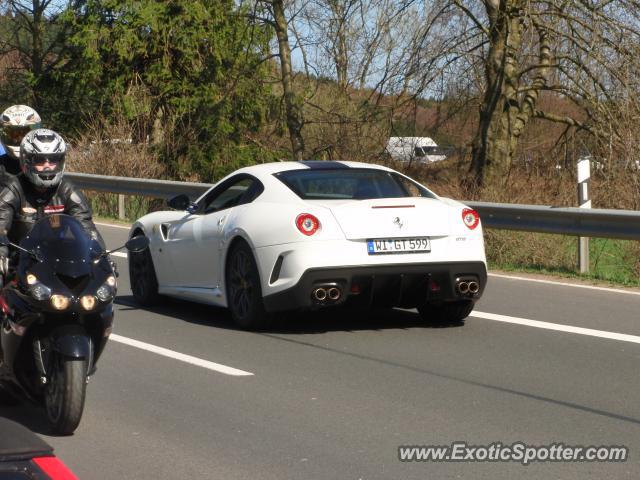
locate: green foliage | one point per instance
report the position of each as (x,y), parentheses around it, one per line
(616,261)
(187,75)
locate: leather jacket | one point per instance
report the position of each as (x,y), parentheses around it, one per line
(22,204)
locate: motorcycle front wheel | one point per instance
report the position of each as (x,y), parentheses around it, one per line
(65,393)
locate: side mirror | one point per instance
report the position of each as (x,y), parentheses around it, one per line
(179,202)
(137,244)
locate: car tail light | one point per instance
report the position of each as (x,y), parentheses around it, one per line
(470,218)
(307,224)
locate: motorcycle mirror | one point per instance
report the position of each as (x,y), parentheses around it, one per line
(137,244)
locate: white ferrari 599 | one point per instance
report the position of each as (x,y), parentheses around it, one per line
(290,236)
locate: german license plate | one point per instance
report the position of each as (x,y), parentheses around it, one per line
(398,245)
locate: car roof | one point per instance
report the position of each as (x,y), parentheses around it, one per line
(277,167)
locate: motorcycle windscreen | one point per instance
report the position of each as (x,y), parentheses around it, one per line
(61,241)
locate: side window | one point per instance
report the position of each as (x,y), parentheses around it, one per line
(228,196)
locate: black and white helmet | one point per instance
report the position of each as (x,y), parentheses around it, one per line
(15,122)
(37,148)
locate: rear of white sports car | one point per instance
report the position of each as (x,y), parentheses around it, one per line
(370,237)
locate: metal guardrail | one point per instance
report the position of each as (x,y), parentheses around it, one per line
(624,224)
(585,222)
(136,186)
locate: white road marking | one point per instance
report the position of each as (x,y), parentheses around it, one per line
(565,284)
(119,254)
(623,337)
(125,227)
(216,367)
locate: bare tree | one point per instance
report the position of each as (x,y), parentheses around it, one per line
(556,47)
(509,55)
(32,33)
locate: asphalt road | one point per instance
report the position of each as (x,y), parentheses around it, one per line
(334,396)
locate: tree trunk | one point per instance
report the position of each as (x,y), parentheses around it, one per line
(295,120)
(37,53)
(493,146)
(506,110)
(339,40)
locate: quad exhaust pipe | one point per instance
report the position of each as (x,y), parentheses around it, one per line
(326,294)
(465,287)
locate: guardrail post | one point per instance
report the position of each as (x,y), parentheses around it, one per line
(584,201)
(121,211)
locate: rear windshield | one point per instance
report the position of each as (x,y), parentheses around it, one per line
(352,184)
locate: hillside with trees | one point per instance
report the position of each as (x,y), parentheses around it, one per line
(194,89)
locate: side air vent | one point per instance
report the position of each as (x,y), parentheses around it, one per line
(164,230)
(275,274)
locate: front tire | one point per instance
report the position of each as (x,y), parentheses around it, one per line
(244,293)
(142,275)
(446,313)
(65,393)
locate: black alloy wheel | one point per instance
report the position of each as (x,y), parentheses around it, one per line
(142,275)
(244,294)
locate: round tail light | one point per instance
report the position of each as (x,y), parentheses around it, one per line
(307,224)
(470,218)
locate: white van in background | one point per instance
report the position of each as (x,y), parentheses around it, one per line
(414,149)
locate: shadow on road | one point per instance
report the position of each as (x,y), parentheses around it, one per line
(290,328)
(28,414)
(308,322)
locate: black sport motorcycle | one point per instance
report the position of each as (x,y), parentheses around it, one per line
(57,314)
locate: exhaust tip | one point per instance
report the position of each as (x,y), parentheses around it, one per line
(463,287)
(474,287)
(334,293)
(320,294)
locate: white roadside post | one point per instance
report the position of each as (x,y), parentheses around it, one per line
(584,201)
(121,212)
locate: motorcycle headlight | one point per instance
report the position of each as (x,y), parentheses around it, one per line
(108,289)
(105,293)
(59,302)
(38,290)
(88,302)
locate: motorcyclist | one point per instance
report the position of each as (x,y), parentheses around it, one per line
(40,190)
(15,122)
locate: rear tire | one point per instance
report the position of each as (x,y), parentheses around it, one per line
(65,393)
(244,293)
(142,275)
(446,313)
